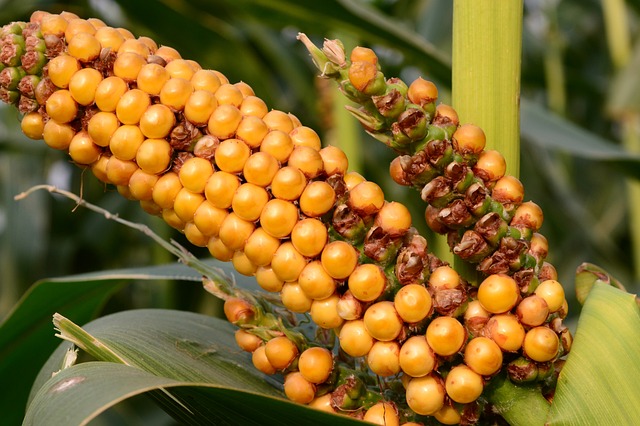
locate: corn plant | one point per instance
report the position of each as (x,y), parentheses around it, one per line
(359,313)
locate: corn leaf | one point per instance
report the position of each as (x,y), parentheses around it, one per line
(599,382)
(26,334)
(188,362)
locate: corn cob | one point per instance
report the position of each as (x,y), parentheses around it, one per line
(256,188)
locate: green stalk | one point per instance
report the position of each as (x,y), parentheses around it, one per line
(487,47)
(487,50)
(619,43)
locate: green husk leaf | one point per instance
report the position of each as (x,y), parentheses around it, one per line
(599,382)
(80,393)
(587,275)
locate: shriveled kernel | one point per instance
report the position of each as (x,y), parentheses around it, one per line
(235,231)
(249,200)
(261,247)
(127,65)
(269,281)
(151,78)
(309,236)
(131,106)
(354,338)
(224,121)
(339,258)
(126,141)
(383,358)
(324,312)
(175,93)
(220,188)
(231,155)
(157,121)
(278,120)
(154,155)
(367,282)
(83,85)
(294,298)
(61,69)
(228,94)
(205,80)
(200,106)
(278,217)
(416,357)
(260,169)
(208,218)
(315,282)
(287,262)
(308,160)
(194,174)
(278,144)
(109,92)
(317,199)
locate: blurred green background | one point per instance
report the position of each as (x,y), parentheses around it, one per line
(569,71)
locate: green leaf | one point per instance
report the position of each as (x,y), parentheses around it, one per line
(552,132)
(587,275)
(26,334)
(190,361)
(80,393)
(599,382)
